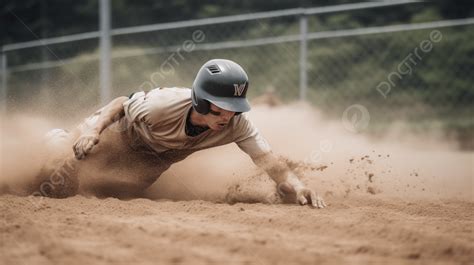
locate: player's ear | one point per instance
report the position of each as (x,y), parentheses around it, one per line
(202,106)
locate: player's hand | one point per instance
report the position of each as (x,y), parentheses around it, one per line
(84,144)
(300,194)
(306,195)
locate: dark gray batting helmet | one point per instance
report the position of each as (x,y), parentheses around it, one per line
(223,83)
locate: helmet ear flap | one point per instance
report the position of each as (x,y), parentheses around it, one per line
(202,106)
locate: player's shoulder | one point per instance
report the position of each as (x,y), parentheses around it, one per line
(241,122)
(168,101)
(169,94)
(242,127)
(165,97)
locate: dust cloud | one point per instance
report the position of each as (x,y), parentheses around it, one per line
(328,157)
(21,152)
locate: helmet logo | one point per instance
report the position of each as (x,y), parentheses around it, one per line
(239,89)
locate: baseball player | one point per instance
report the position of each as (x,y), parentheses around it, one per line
(125,146)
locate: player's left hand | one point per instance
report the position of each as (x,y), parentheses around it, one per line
(84,144)
(301,194)
(306,195)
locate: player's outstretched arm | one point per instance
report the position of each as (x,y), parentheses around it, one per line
(287,182)
(90,137)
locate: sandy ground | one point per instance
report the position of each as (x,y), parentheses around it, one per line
(359,230)
(398,200)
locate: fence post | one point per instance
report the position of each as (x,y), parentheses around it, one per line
(105,45)
(4,88)
(303,56)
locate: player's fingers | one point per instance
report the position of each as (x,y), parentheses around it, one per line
(88,146)
(79,155)
(75,149)
(320,202)
(78,150)
(302,199)
(316,200)
(313,197)
(323,202)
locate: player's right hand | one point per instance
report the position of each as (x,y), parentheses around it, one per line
(84,144)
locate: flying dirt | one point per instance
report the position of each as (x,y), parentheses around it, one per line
(399,199)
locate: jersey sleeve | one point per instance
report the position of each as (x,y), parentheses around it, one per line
(249,139)
(150,109)
(138,109)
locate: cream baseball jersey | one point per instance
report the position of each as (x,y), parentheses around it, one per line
(159,119)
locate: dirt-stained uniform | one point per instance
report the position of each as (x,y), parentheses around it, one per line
(151,136)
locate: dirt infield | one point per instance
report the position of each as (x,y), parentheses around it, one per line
(359,230)
(397,200)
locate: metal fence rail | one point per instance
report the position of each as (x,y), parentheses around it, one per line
(254,42)
(105,34)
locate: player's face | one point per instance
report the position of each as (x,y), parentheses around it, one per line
(218,118)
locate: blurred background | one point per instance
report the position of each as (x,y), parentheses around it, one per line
(404,61)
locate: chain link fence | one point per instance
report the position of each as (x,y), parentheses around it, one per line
(420,74)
